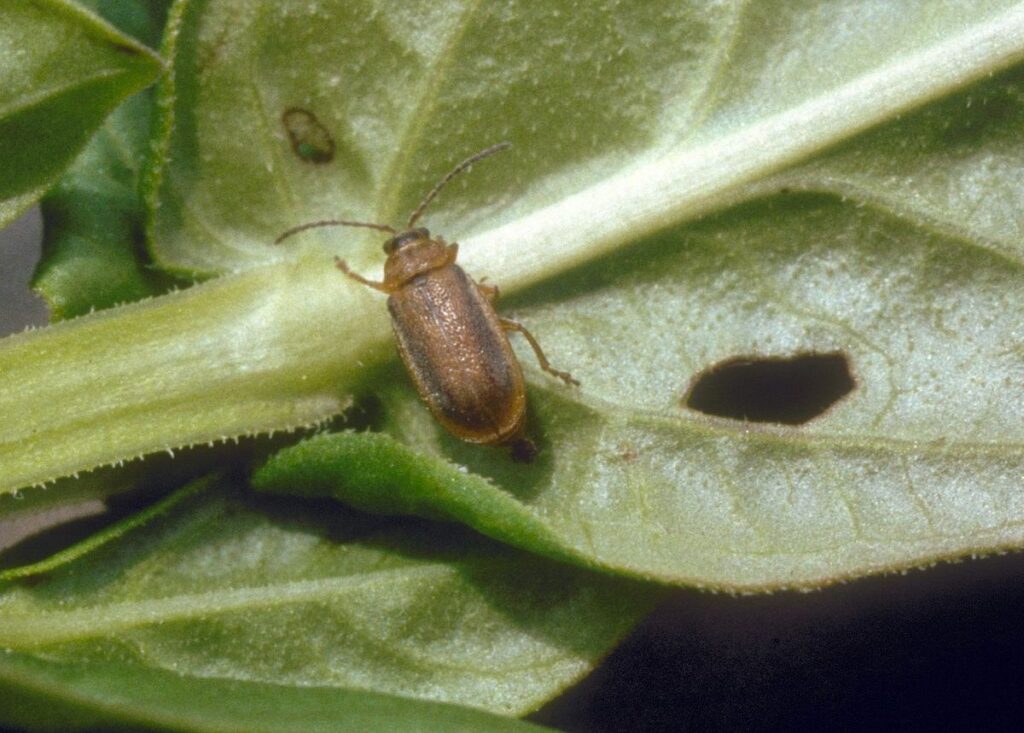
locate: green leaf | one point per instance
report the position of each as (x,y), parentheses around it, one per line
(93,220)
(143,20)
(375,473)
(93,217)
(62,71)
(41,694)
(224,587)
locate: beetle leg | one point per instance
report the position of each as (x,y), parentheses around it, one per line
(343,266)
(490,292)
(509,325)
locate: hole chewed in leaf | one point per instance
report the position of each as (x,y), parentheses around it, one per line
(787,390)
(310,140)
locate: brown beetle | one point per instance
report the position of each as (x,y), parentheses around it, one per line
(452,342)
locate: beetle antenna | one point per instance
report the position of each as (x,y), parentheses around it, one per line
(454,172)
(333,223)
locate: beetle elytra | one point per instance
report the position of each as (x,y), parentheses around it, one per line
(453,343)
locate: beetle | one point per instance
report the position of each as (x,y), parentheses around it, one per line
(453,343)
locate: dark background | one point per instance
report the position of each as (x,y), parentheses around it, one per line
(19,250)
(939,649)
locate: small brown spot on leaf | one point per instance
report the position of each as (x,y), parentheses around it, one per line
(310,140)
(785,390)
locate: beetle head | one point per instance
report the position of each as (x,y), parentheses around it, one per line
(404,239)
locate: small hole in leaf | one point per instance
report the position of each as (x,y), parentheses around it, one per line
(789,391)
(310,140)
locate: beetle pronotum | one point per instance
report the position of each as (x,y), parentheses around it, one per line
(453,343)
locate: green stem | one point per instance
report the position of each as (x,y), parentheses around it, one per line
(273,348)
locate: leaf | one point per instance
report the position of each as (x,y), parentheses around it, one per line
(61,72)
(41,694)
(375,473)
(635,121)
(427,79)
(143,20)
(751,181)
(93,223)
(222,587)
(93,217)
(951,168)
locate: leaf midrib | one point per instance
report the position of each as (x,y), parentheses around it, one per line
(691,182)
(36,628)
(396,171)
